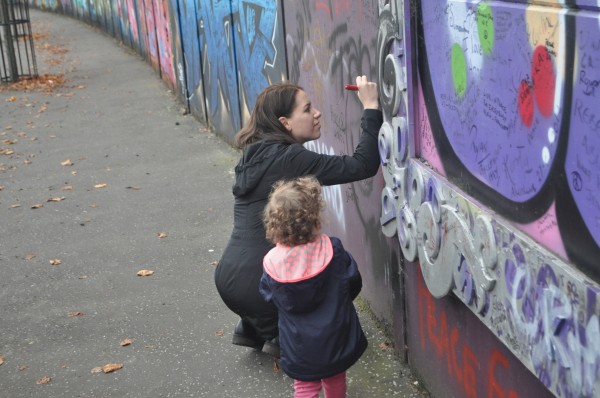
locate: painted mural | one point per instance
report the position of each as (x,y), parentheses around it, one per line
(494,194)
(190,67)
(478,243)
(328,44)
(239,57)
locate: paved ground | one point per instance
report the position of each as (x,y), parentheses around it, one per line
(91,173)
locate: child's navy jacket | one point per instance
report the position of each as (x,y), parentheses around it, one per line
(312,286)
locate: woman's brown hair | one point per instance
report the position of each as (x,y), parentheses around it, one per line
(293,214)
(273,102)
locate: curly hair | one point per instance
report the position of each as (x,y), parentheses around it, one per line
(292,216)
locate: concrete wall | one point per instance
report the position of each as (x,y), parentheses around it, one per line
(479,241)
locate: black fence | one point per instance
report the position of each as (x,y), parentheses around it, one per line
(16,42)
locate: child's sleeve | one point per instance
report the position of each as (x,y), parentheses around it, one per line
(265,289)
(355,280)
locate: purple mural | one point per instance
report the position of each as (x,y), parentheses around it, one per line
(511,101)
(498,204)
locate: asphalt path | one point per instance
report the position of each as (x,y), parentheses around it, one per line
(103,176)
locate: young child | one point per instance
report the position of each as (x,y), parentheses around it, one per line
(312,281)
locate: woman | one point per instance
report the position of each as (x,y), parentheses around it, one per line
(282,120)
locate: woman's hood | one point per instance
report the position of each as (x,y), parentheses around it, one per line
(253,165)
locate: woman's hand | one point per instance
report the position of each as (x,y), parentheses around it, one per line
(367,93)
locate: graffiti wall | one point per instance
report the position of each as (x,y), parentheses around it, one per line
(492,188)
(478,241)
(328,44)
(241,53)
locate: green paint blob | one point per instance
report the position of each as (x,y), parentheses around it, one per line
(459,70)
(485,26)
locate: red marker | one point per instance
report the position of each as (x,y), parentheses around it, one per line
(351,87)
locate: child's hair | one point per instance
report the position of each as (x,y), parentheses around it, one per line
(293,214)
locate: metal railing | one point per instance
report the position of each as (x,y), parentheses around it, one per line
(16,42)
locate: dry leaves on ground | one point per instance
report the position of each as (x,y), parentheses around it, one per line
(43,380)
(111,367)
(75,313)
(67,162)
(162,235)
(126,342)
(100,185)
(29,257)
(1,359)
(385,346)
(56,199)
(55,261)
(145,272)
(37,206)
(220,333)
(45,82)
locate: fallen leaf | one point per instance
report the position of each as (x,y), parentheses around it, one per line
(276,367)
(162,234)
(15,206)
(12,99)
(97,369)
(214,263)
(100,185)
(1,187)
(67,162)
(8,141)
(220,333)
(385,346)
(29,257)
(22,368)
(145,272)
(43,380)
(67,188)
(83,277)
(93,205)
(37,206)
(74,172)
(81,86)
(6,151)
(1,360)
(111,367)
(27,161)
(56,199)
(55,261)
(75,313)
(44,82)
(125,342)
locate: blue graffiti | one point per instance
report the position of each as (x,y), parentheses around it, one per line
(254,44)
(191,53)
(218,53)
(250,39)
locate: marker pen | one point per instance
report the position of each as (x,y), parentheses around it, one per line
(351,87)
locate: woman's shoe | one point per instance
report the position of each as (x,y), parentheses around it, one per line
(271,347)
(244,335)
